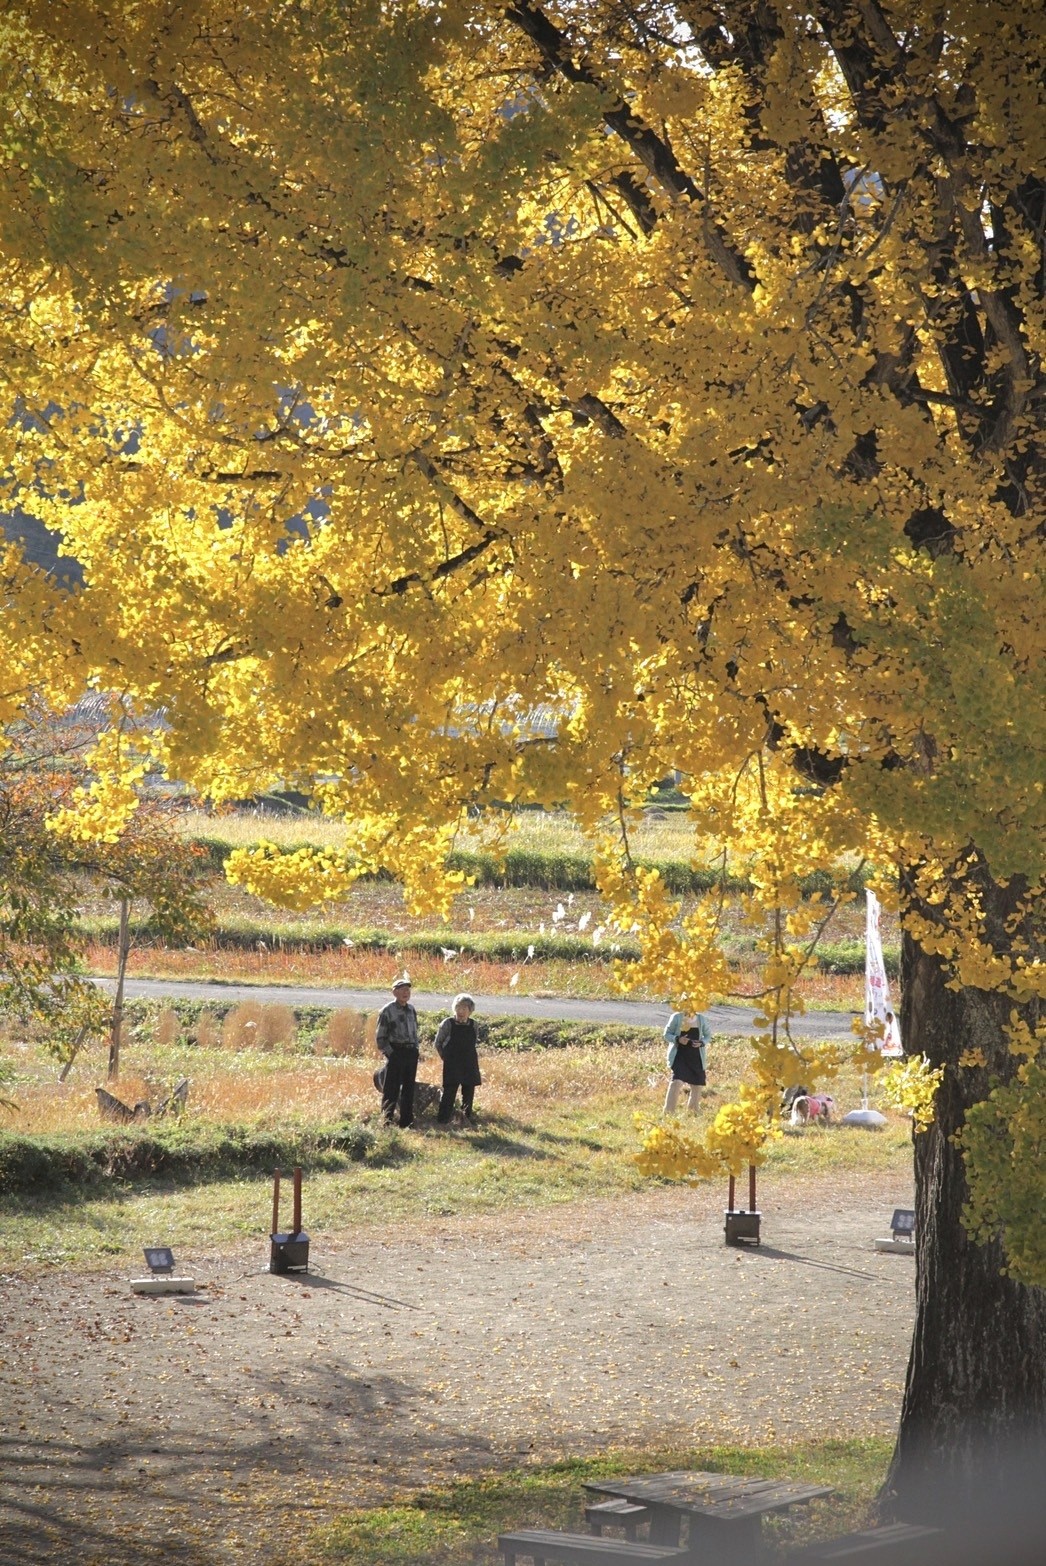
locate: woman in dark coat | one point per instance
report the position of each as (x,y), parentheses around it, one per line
(456,1041)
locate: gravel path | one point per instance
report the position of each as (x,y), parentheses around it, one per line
(206,1429)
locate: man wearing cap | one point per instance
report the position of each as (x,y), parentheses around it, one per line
(397,1037)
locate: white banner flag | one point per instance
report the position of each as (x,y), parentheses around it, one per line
(877,1006)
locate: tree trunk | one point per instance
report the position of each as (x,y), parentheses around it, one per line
(974,1405)
(74,1051)
(123,950)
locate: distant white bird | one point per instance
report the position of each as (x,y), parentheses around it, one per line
(472,914)
(560,914)
(570,899)
(530,954)
(598,934)
(513,981)
(541,927)
(449,952)
(347,942)
(583,921)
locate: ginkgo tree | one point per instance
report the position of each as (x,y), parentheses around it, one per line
(398,371)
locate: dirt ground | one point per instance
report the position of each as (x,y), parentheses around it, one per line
(214,1428)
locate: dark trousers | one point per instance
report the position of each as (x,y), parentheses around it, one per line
(401,1069)
(446,1103)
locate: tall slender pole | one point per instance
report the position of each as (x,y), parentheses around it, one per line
(122,953)
(297,1201)
(730,1198)
(276,1203)
(751,1188)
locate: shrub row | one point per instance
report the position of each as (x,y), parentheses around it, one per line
(141,1015)
(571,872)
(849,957)
(182,1151)
(509,946)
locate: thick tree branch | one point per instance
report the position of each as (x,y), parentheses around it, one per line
(653,151)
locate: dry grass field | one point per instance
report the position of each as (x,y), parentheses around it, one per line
(660,835)
(361,941)
(351,969)
(555,1125)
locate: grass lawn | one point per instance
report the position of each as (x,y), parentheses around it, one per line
(460,1522)
(555,1125)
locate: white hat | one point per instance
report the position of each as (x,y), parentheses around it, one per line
(402,982)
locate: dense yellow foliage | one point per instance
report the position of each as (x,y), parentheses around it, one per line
(655,388)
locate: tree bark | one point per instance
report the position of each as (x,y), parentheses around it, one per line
(974,1404)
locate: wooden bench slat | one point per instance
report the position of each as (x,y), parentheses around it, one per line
(625,1514)
(892,1542)
(585,1549)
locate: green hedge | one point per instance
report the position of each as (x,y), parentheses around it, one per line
(848,957)
(494,946)
(184,1150)
(567,872)
(141,1015)
(842,957)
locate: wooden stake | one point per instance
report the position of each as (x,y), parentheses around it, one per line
(297,1201)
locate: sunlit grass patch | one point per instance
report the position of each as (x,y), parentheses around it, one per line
(658,836)
(460,1522)
(555,1125)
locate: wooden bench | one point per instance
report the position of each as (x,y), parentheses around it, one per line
(582,1549)
(625,1514)
(892,1544)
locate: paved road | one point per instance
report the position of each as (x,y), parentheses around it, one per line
(725,1019)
